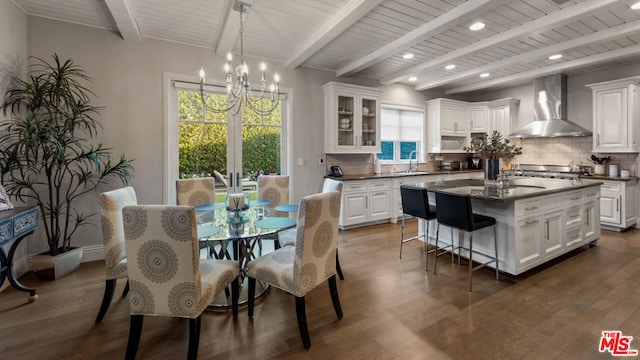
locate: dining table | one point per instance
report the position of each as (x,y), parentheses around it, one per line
(238,235)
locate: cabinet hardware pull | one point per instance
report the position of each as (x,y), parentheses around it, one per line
(618,204)
(529,222)
(587,213)
(574,216)
(547,223)
(575,198)
(531,208)
(238,179)
(366,202)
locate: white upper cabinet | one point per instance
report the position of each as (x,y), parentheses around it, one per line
(615,112)
(447,125)
(478,118)
(352,119)
(503,115)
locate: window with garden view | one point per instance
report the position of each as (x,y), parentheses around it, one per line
(204,135)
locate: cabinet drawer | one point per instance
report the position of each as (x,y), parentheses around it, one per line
(590,194)
(526,207)
(611,186)
(573,217)
(379,185)
(574,237)
(354,186)
(571,198)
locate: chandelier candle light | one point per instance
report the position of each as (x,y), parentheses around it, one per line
(240,90)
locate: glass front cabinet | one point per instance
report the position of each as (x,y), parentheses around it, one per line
(352,118)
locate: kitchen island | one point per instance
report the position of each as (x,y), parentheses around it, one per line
(537,219)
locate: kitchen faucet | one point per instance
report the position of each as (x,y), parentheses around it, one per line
(410,157)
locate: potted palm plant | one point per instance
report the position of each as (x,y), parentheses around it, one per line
(48,157)
(492,149)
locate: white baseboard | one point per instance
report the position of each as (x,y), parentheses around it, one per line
(93,253)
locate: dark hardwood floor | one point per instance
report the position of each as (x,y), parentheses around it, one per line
(392,308)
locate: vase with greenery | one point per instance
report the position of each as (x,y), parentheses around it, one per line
(48,153)
(492,149)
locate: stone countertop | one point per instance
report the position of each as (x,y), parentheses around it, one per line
(397,175)
(515,188)
(607,177)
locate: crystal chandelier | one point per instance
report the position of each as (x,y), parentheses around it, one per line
(239,92)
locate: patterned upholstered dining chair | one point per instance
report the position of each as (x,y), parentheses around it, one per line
(288,237)
(167,276)
(298,270)
(115,260)
(274,188)
(200,191)
(196,191)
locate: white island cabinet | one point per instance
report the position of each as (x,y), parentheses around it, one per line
(531,229)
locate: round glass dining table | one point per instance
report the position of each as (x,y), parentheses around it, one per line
(244,231)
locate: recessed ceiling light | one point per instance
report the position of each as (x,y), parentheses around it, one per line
(477,26)
(413,78)
(407,56)
(635,6)
(450,67)
(555,56)
(483,75)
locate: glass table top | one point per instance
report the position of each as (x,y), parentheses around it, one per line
(241,225)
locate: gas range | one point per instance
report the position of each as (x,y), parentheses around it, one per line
(547,171)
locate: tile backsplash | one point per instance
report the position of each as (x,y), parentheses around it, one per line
(544,151)
(563,150)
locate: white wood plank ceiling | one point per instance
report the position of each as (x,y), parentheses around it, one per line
(367,38)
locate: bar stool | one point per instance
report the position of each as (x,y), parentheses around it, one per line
(455,211)
(415,202)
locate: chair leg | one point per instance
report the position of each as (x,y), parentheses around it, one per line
(235,295)
(135,330)
(495,246)
(435,252)
(109,289)
(302,321)
(126,289)
(426,245)
(338,268)
(402,236)
(251,296)
(453,248)
(333,290)
(194,337)
(470,258)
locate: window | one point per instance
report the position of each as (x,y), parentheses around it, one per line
(197,142)
(401,134)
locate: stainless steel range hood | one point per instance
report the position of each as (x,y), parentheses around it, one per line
(550,109)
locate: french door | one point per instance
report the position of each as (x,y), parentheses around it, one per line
(237,146)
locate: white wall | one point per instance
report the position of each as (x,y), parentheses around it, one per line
(13,53)
(127,79)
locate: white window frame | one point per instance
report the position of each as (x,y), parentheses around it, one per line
(396,149)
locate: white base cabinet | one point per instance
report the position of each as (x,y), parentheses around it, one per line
(617,204)
(365,202)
